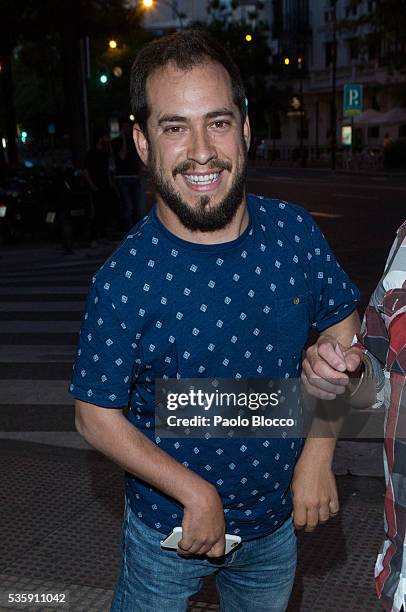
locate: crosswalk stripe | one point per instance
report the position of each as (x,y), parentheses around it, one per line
(38,287)
(39,327)
(28,353)
(62,289)
(68,439)
(41,306)
(15,280)
(35,392)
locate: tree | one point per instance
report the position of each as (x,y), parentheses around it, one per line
(42,42)
(11,12)
(267,98)
(380,30)
(251,56)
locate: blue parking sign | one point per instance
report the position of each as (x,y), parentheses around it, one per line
(353,100)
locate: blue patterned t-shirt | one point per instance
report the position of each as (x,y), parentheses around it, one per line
(165,307)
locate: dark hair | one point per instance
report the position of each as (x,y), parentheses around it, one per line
(185,49)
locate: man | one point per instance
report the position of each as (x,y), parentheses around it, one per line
(129,177)
(97,176)
(378,361)
(211,284)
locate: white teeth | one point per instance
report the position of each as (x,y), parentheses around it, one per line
(204,179)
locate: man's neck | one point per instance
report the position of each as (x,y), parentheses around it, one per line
(233,230)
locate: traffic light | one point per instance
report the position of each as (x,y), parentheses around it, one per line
(248,37)
(103,79)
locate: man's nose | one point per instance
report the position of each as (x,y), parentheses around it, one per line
(201,147)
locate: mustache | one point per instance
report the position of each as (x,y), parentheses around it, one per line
(186,166)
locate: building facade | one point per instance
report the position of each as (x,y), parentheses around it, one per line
(312,54)
(309,33)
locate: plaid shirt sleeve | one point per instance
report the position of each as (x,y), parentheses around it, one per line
(383,341)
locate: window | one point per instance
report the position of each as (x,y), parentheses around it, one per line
(304,134)
(373,50)
(373,131)
(351,9)
(329,53)
(353,48)
(277,26)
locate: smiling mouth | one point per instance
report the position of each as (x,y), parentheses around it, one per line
(202,179)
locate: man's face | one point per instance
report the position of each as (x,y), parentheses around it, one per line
(196,149)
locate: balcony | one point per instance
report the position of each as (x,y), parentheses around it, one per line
(367,74)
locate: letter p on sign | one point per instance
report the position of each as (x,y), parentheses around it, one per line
(354,97)
(353,100)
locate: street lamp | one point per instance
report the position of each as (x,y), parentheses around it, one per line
(302,118)
(333,110)
(248,37)
(149,4)
(113,44)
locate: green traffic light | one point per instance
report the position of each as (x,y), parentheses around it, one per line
(103,79)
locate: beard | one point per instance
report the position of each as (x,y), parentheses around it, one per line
(202,216)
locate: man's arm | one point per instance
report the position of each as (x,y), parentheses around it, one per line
(314,490)
(112,434)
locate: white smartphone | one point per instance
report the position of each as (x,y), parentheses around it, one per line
(172,540)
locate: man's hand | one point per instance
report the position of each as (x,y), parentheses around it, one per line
(314,490)
(111,433)
(326,367)
(203,525)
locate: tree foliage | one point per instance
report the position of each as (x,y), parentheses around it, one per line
(381,24)
(40,47)
(253,59)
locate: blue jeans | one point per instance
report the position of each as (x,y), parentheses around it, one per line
(257,577)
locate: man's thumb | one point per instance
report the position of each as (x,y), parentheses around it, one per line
(352,360)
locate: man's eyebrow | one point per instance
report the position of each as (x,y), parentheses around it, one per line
(219,112)
(171,119)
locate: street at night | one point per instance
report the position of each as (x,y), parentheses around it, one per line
(193,417)
(42,297)
(359,214)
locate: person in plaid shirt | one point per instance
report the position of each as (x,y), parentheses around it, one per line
(378,356)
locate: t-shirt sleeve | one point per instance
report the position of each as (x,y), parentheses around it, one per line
(335,296)
(108,358)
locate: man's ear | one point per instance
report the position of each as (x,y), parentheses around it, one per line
(141,143)
(246,130)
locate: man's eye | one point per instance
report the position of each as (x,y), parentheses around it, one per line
(173,129)
(221,124)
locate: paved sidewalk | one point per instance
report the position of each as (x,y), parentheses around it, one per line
(61,515)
